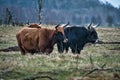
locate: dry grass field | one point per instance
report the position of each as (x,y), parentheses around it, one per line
(96,61)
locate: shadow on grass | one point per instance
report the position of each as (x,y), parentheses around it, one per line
(16,48)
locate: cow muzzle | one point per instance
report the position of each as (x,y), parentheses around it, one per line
(65,40)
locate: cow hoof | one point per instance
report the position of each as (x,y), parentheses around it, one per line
(32,53)
(23,53)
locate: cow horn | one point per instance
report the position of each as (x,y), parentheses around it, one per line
(89,26)
(57,26)
(66,24)
(96,25)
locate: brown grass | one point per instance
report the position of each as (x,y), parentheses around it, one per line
(68,66)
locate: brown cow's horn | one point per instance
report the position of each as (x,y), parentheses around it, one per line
(57,26)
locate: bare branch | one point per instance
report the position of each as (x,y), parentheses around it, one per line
(97,69)
(38,77)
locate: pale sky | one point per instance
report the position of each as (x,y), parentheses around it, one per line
(115,3)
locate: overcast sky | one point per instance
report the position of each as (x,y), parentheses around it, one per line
(115,3)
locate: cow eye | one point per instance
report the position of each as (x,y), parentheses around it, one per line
(93,33)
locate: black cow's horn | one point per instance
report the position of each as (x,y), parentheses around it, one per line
(66,24)
(57,26)
(96,25)
(89,26)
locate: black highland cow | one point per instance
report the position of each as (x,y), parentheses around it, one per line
(77,37)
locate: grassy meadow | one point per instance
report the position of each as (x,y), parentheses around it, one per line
(96,61)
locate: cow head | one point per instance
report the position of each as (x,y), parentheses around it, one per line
(92,35)
(59,33)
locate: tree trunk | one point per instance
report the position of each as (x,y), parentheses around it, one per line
(8,17)
(39,10)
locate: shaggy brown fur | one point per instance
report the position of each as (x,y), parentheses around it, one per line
(34,26)
(31,40)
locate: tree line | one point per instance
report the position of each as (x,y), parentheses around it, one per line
(109,18)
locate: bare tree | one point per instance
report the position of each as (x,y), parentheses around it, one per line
(39,10)
(109,20)
(0,21)
(94,20)
(8,17)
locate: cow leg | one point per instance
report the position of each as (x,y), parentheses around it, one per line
(32,52)
(67,48)
(22,51)
(73,51)
(73,48)
(79,48)
(48,51)
(78,51)
(42,50)
(60,47)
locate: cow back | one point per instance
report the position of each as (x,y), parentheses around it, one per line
(34,26)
